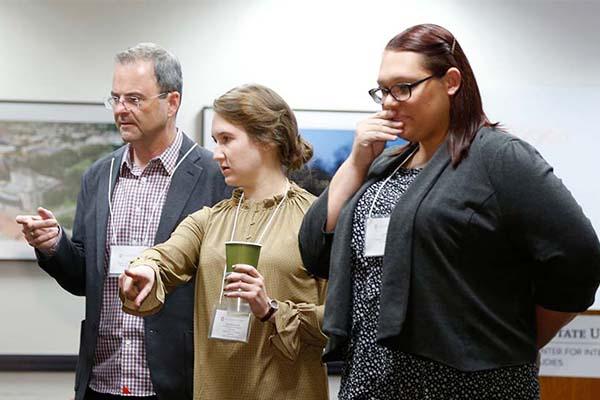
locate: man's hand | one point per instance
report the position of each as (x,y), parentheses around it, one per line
(136,283)
(41,231)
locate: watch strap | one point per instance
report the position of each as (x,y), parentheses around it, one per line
(273,306)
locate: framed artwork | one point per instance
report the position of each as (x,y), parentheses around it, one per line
(44,149)
(330,132)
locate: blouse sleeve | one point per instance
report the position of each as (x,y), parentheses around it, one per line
(174,262)
(548,226)
(315,243)
(298,324)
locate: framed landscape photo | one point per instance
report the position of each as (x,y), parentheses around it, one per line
(330,132)
(44,149)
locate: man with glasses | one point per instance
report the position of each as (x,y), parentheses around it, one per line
(129,200)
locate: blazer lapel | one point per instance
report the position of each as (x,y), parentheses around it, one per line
(335,321)
(397,262)
(102,204)
(183,181)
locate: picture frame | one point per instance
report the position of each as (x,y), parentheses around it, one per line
(45,147)
(331,132)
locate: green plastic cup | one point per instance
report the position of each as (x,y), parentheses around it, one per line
(241,253)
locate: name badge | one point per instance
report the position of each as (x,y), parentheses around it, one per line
(227,325)
(121,256)
(375,236)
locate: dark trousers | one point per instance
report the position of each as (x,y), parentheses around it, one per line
(91,395)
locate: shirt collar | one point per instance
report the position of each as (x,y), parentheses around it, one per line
(168,158)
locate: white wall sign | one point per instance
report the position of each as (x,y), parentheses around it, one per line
(574,351)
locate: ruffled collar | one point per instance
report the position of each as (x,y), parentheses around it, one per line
(264,203)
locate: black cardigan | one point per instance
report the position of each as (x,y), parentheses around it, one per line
(469,253)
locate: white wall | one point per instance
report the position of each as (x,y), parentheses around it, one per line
(537,62)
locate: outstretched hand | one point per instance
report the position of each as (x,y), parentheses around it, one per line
(136,283)
(41,231)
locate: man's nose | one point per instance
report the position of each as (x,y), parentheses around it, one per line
(120,107)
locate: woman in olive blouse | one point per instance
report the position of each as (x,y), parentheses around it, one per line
(257,143)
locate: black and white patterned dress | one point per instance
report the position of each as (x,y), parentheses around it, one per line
(376,373)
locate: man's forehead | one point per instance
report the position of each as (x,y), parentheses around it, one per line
(137,66)
(134,74)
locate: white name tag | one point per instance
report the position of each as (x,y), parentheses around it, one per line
(121,256)
(375,236)
(231,326)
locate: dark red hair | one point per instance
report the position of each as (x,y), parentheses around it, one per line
(441,51)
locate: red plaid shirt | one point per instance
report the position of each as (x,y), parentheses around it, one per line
(120,365)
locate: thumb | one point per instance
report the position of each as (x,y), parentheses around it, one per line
(132,274)
(45,214)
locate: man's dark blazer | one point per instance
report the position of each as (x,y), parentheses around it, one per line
(78,266)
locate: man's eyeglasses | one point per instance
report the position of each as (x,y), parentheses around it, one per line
(400,91)
(130,101)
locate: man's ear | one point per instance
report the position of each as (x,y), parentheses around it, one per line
(173,100)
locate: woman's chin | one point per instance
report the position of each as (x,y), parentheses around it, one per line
(231,181)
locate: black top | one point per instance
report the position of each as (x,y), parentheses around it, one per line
(469,252)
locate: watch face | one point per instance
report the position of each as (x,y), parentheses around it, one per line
(273,307)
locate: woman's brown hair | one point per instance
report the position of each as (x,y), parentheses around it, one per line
(267,119)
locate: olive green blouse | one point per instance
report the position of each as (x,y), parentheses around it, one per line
(282,359)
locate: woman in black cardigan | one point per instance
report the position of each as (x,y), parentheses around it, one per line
(452,260)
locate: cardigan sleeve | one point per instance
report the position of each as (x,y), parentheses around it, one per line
(548,226)
(174,262)
(314,242)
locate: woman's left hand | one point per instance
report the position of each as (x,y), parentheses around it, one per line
(247,283)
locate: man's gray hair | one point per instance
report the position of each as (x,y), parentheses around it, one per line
(167,68)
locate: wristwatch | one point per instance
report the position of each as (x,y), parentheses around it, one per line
(273,306)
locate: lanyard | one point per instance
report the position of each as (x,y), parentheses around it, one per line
(235,218)
(388,178)
(237,211)
(158,201)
